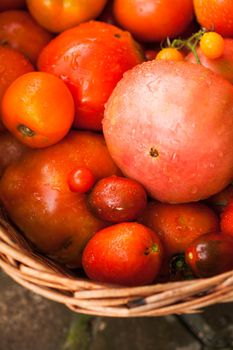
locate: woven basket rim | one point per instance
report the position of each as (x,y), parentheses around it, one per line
(50,280)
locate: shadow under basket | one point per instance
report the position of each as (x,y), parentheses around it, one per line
(48,279)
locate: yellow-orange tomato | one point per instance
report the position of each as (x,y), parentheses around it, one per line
(57,16)
(20,31)
(12,65)
(170,53)
(38,109)
(12,4)
(212,45)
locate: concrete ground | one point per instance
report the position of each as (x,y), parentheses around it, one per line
(30,322)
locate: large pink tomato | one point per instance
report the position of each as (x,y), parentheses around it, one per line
(169,125)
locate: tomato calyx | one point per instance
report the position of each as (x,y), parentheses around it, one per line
(25,131)
(153,249)
(190,43)
(179,269)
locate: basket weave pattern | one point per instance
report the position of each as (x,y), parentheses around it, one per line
(49,280)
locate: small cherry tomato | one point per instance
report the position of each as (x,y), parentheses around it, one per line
(210,254)
(118,199)
(81,180)
(170,54)
(21,32)
(212,45)
(38,109)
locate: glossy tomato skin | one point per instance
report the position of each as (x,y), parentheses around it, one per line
(151,20)
(226,222)
(57,16)
(179,224)
(90,58)
(38,199)
(222,65)
(10,150)
(127,254)
(12,65)
(31,111)
(210,254)
(117,199)
(21,32)
(215,14)
(169,153)
(220,200)
(81,180)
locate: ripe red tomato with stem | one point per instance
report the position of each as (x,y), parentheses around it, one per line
(127,254)
(90,58)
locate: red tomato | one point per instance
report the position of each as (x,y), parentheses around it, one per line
(151,20)
(90,59)
(220,200)
(21,32)
(127,253)
(226,222)
(118,199)
(81,180)
(179,224)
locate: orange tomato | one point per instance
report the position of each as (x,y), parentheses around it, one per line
(170,53)
(20,31)
(212,45)
(179,224)
(90,58)
(12,4)
(38,109)
(12,65)
(151,20)
(215,15)
(57,16)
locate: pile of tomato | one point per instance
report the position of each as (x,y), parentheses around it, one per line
(64,183)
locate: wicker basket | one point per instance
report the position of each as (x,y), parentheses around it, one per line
(48,279)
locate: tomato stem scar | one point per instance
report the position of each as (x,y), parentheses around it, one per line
(25,131)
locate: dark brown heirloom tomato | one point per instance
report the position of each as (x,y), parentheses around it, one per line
(118,199)
(210,254)
(10,150)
